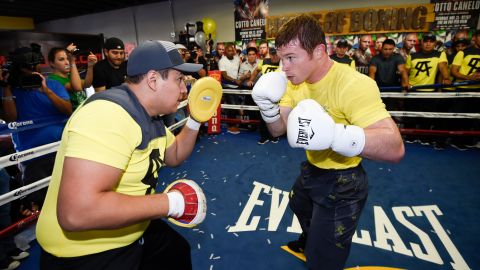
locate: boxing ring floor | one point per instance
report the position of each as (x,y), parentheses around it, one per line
(422,213)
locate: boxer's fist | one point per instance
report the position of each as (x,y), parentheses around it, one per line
(267,92)
(187,203)
(310,127)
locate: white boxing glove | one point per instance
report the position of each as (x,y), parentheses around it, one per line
(187,203)
(267,92)
(310,127)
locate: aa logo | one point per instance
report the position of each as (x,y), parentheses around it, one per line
(155,162)
(473,65)
(423,67)
(271,69)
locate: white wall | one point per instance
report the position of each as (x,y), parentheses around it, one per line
(154,21)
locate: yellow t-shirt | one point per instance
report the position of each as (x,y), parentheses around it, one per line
(469,62)
(266,66)
(423,68)
(101,131)
(349,97)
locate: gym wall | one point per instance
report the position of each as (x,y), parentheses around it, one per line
(157,21)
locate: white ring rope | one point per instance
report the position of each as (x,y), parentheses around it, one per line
(434,114)
(390,94)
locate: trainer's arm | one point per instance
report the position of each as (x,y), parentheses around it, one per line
(87,200)
(383,141)
(182,147)
(279,127)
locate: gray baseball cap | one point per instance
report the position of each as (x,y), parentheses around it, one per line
(157,55)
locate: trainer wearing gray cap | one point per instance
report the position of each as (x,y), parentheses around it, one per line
(101,210)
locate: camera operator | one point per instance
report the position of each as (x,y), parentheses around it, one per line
(29,96)
(64,70)
(197,57)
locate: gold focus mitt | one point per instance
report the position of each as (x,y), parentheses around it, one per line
(204,98)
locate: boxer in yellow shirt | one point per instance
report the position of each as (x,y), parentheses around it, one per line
(336,115)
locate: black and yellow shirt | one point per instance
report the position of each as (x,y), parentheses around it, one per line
(423,67)
(267,65)
(105,132)
(343,60)
(469,62)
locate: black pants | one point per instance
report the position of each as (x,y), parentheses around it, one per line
(160,248)
(328,204)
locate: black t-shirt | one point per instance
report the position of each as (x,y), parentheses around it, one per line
(386,74)
(344,60)
(105,75)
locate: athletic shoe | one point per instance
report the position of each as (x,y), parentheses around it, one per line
(9,264)
(262,141)
(233,130)
(18,254)
(274,140)
(298,245)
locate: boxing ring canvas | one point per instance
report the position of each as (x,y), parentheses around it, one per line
(420,214)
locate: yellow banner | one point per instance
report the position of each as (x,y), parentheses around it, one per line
(16,23)
(405,18)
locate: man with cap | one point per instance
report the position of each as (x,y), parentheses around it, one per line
(101,211)
(112,70)
(422,68)
(341,55)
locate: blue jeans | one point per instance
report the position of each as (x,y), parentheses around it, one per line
(328,204)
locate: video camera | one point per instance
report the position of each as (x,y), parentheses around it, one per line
(20,65)
(78,52)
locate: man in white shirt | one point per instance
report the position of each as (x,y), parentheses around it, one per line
(229,65)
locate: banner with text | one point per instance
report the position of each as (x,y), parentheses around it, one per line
(250,19)
(405,18)
(454,14)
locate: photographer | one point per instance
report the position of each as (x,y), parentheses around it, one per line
(28,96)
(64,70)
(196,57)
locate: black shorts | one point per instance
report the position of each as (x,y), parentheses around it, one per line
(160,247)
(328,204)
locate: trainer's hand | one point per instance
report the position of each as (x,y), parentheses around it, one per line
(187,203)
(267,92)
(310,127)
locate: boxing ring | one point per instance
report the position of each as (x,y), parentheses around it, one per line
(420,214)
